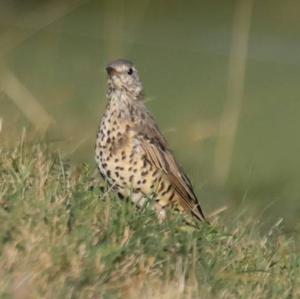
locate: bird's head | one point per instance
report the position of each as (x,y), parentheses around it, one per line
(122,75)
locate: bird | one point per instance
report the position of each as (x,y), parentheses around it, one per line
(132,154)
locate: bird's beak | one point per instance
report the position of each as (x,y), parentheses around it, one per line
(111,71)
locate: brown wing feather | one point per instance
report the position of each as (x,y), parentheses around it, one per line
(156,150)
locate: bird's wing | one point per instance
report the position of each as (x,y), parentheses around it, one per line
(158,153)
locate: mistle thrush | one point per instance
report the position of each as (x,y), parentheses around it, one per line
(132,154)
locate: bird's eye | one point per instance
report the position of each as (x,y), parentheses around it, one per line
(130,71)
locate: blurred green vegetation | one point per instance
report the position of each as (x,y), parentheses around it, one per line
(60,238)
(181,50)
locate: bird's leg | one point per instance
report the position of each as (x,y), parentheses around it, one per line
(160,212)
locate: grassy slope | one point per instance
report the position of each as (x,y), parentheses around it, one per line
(60,239)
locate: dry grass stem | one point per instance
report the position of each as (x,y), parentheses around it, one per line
(25,101)
(235,90)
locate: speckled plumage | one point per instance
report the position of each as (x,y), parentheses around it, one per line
(132,154)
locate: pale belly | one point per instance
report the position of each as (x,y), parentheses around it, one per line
(127,171)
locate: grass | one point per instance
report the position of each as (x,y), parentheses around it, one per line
(60,237)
